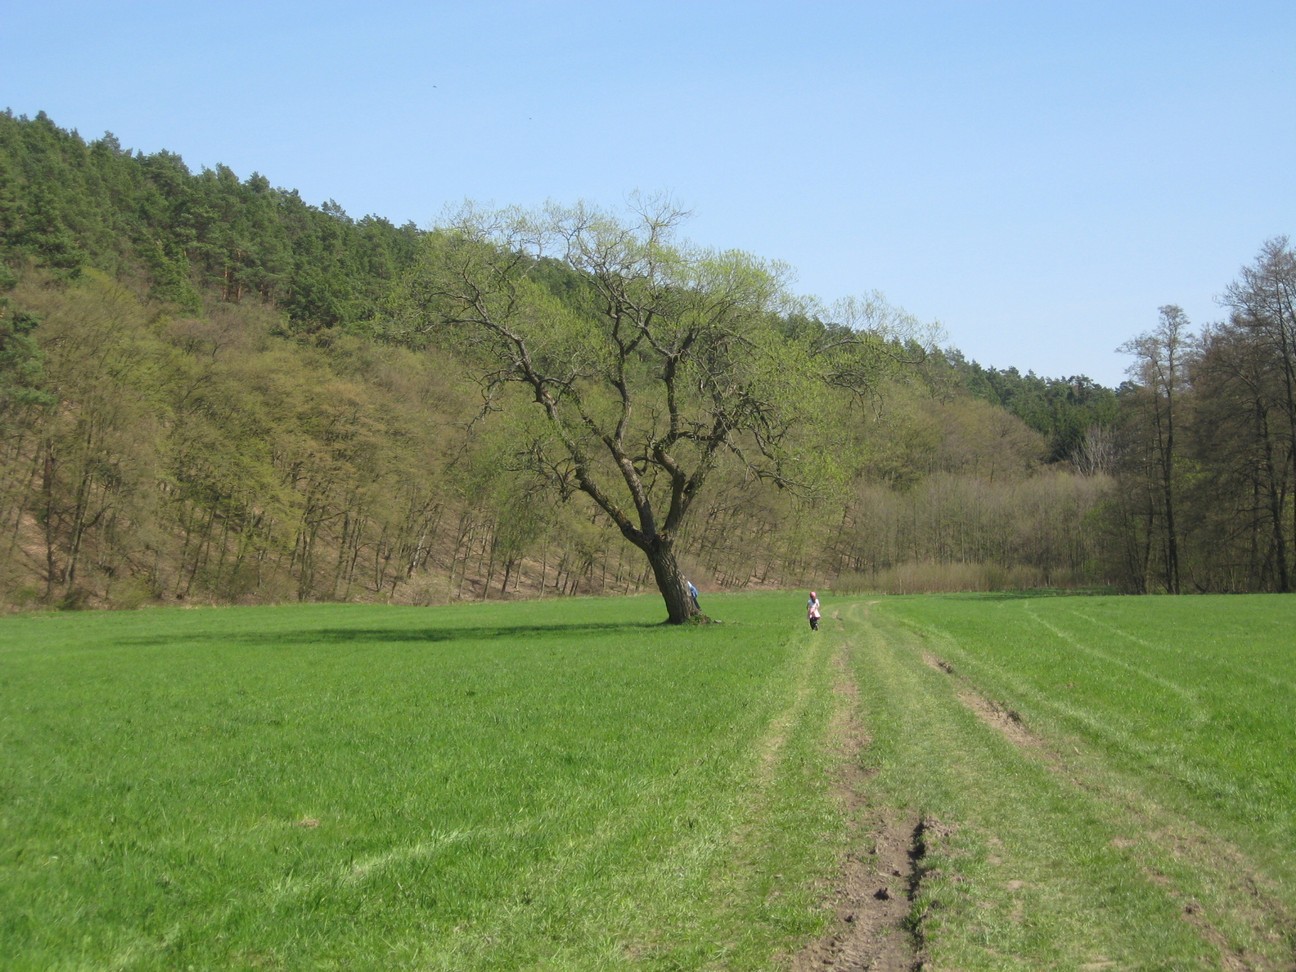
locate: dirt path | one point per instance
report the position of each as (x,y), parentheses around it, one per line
(877,880)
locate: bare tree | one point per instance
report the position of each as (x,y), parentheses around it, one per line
(1095,455)
(1160,369)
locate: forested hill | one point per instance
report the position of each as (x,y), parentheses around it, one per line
(68,205)
(203,394)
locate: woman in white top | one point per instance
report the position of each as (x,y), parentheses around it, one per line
(812,611)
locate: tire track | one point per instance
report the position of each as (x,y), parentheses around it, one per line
(1158,840)
(879,877)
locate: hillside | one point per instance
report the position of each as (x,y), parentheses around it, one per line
(208,391)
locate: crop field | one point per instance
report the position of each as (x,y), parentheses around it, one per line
(934,782)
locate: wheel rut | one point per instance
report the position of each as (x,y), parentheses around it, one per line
(878,879)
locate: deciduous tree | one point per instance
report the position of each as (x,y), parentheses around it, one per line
(641,362)
(1161,367)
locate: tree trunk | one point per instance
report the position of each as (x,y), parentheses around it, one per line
(672,584)
(48,519)
(1275,503)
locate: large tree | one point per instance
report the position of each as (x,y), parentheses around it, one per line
(1263,305)
(1249,395)
(1161,367)
(633,365)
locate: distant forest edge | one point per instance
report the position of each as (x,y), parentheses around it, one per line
(210,392)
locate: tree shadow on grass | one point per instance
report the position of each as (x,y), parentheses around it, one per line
(516,632)
(412,636)
(1024,595)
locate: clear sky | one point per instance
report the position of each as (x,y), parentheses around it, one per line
(1037,176)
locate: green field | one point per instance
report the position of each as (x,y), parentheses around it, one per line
(1076,783)
(1110,782)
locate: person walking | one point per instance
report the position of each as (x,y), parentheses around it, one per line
(812,611)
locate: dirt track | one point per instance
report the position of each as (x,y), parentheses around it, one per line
(877,881)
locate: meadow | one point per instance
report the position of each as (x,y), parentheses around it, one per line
(1103,782)
(1071,782)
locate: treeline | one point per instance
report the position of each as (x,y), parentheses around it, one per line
(1063,410)
(207,457)
(202,397)
(1200,443)
(1207,457)
(67,205)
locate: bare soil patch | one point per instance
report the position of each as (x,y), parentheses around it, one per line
(1003,720)
(871,893)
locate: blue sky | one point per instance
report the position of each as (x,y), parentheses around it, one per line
(1039,177)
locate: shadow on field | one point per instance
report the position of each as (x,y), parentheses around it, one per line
(413,636)
(1022,595)
(421,635)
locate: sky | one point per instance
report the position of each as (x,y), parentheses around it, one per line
(1037,177)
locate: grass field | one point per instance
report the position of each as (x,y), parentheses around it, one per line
(1106,782)
(1026,782)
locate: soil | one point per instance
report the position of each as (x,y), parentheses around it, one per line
(871,901)
(877,880)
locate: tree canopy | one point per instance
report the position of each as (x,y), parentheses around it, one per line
(662,362)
